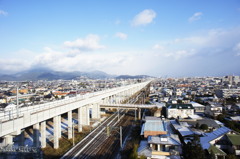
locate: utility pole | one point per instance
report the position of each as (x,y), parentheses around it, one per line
(118,114)
(112,129)
(121,136)
(135,113)
(108,131)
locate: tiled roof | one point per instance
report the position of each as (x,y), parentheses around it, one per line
(163,140)
(184,131)
(144,149)
(213,135)
(154,125)
(210,122)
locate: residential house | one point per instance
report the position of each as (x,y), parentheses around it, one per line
(234,144)
(179,110)
(153,126)
(161,146)
(184,131)
(159,141)
(213,142)
(213,109)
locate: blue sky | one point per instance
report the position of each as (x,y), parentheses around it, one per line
(155,37)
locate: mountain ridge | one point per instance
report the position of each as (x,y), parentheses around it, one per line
(48,74)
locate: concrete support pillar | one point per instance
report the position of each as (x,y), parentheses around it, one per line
(43,134)
(114,99)
(98,112)
(80,119)
(120,97)
(95,111)
(70,125)
(55,133)
(59,126)
(105,100)
(87,116)
(36,135)
(22,137)
(85,113)
(110,99)
(8,139)
(139,113)
(158,147)
(117,99)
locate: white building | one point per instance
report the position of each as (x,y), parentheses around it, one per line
(226,93)
(179,110)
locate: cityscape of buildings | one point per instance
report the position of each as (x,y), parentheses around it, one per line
(122,79)
(205,109)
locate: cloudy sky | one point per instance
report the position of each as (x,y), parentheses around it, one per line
(154,37)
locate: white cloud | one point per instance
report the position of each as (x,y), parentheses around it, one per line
(61,61)
(143,18)
(13,65)
(212,52)
(158,47)
(179,54)
(237,49)
(193,55)
(122,36)
(2,12)
(196,16)
(91,42)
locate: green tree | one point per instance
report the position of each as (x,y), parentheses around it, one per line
(197,126)
(134,154)
(211,155)
(204,127)
(193,149)
(231,156)
(220,117)
(143,157)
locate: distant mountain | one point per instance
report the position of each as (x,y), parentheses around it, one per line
(131,77)
(48,74)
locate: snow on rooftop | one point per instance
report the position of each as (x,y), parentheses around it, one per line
(163,139)
(195,116)
(195,104)
(236,118)
(218,122)
(184,131)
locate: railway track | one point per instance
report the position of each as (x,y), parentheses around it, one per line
(109,152)
(97,144)
(86,147)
